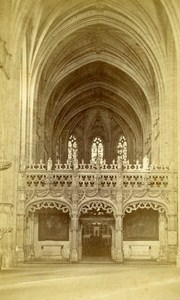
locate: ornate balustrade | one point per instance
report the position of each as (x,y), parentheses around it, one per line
(94,176)
(101,190)
(150,180)
(39,180)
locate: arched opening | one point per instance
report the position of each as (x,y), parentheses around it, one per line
(72,149)
(144,234)
(122,149)
(97,150)
(96,238)
(110,79)
(97,229)
(47,231)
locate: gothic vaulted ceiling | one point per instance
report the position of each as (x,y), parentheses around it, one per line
(97,53)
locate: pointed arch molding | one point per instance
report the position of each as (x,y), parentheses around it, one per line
(145,204)
(59,204)
(99,203)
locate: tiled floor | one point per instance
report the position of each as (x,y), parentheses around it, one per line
(90,282)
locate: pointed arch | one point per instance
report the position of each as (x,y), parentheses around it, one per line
(97,149)
(72,148)
(122,148)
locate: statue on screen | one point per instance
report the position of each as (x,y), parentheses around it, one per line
(75,163)
(119,163)
(49,164)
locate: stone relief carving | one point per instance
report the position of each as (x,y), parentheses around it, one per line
(145,163)
(136,185)
(6,208)
(96,205)
(35,195)
(48,204)
(4,164)
(163,195)
(144,204)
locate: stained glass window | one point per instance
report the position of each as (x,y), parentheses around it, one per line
(97,150)
(122,148)
(72,149)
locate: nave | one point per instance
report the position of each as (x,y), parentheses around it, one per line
(90,282)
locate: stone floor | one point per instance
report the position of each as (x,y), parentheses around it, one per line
(90,281)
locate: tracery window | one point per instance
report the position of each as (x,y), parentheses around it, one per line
(72,149)
(97,150)
(122,148)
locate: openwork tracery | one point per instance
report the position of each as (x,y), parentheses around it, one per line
(147,204)
(97,150)
(122,148)
(48,204)
(72,149)
(96,208)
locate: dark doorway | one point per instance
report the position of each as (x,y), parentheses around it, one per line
(96,239)
(97,220)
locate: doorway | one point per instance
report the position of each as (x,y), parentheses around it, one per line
(96,239)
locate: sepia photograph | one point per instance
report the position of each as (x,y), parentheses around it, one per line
(90,149)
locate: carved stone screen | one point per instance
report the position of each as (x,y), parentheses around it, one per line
(141,225)
(53,225)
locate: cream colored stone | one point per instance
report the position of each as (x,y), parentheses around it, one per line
(98,69)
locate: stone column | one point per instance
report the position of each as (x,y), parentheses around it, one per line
(7,255)
(172,237)
(26,237)
(178,250)
(178,134)
(30,237)
(119,219)
(20,217)
(6,234)
(74,220)
(74,238)
(19,238)
(5,248)
(162,237)
(80,242)
(118,238)
(113,255)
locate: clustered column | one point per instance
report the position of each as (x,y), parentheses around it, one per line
(172,237)
(74,221)
(74,237)
(119,219)
(118,238)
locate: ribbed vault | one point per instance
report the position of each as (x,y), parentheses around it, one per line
(98,55)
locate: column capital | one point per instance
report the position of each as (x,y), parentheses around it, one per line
(118,215)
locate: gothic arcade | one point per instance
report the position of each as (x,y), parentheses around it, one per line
(89,130)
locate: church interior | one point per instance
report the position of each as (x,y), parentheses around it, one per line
(89,130)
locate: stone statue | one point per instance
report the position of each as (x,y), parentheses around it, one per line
(49,164)
(119,163)
(75,163)
(98,162)
(146,162)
